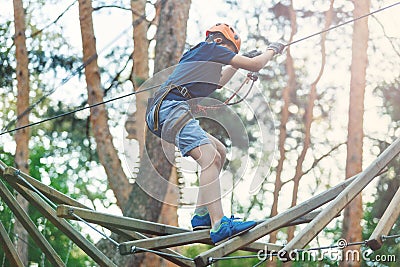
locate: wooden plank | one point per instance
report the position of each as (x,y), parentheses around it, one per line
(174,240)
(386,223)
(199,237)
(49,192)
(23,218)
(337,205)
(272,224)
(59,197)
(47,211)
(121,222)
(9,250)
(139,236)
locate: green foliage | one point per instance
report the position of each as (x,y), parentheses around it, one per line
(60,242)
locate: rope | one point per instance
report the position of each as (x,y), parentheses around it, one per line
(77,110)
(386,237)
(341,244)
(136,249)
(68,252)
(74,73)
(289,44)
(342,24)
(55,207)
(250,76)
(95,229)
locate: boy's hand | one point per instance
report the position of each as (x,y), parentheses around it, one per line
(276,47)
(252,53)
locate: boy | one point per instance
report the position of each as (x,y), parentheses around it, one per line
(197,75)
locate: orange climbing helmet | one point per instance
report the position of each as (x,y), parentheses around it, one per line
(228,32)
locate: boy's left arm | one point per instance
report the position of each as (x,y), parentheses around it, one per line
(229,71)
(226,75)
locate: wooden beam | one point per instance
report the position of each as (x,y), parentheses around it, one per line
(48,191)
(272,224)
(174,240)
(386,223)
(176,260)
(9,250)
(121,222)
(46,210)
(31,228)
(337,205)
(59,197)
(202,236)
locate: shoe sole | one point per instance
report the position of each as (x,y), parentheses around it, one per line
(197,228)
(226,239)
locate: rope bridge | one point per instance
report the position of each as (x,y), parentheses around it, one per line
(158,238)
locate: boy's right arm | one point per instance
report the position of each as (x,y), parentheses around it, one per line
(257,63)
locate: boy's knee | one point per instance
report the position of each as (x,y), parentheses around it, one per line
(212,159)
(218,159)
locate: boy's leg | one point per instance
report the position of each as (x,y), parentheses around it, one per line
(200,207)
(210,161)
(220,148)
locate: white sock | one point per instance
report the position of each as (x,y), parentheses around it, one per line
(216,225)
(201,211)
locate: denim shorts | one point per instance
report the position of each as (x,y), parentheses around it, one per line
(190,136)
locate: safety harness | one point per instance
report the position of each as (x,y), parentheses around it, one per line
(182,120)
(159,98)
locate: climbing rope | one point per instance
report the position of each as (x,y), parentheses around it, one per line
(341,244)
(147,89)
(264,256)
(342,24)
(75,72)
(18,174)
(77,110)
(68,252)
(251,76)
(135,249)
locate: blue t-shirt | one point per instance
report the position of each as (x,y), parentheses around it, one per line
(199,70)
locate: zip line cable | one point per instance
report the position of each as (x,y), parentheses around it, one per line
(65,80)
(79,109)
(74,72)
(344,23)
(147,89)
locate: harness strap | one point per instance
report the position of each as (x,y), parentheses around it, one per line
(183,90)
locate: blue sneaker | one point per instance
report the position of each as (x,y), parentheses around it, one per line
(229,228)
(200,222)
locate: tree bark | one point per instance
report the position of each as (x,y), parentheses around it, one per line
(353,213)
(108,155)
(140,69)
(21,136)
(155,169)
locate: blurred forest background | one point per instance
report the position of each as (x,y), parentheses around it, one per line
(335,99)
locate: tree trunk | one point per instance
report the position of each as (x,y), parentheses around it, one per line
(308,118)
(21,136)
(140,69)
(282,127)
(108,155)
(149,191)
(353,213)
